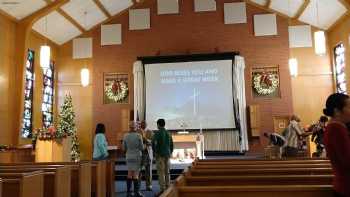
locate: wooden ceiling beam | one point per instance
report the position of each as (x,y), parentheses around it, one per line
(13,19)
(345,3)
(102,8)
(266,8)
(71,20)
(268,3)
(43,11)
(302,9)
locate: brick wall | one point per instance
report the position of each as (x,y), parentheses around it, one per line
(190,32)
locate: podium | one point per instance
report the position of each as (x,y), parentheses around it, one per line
(187,147)
(53,151)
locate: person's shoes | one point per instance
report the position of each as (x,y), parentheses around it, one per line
(138,194)
(149,188)
(158,194)
(129,194)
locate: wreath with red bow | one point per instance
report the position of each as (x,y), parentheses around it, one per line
(265,83)
(117,91)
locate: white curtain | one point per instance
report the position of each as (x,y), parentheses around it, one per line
(240,100)
(139,96)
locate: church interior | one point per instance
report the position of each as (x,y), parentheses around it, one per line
(229,77)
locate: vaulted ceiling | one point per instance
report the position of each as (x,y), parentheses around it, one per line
(79,16)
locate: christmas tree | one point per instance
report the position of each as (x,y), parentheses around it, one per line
(66,126)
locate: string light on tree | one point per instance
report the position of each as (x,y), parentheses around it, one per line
(66,126)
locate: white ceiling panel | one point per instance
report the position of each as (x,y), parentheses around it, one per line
(21,8)
(58,29)
(77,9)
(116,6)
(260,2)
(328,12)
(287,7)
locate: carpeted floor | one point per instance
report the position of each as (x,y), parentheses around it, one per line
(121,189)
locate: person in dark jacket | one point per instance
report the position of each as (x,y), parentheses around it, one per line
(317,135)
(162,144)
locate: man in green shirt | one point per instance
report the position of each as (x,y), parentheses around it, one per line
(162,144)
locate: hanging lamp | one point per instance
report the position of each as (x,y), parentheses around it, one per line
(85,73)
(293,62)
(319,36)
(45,52)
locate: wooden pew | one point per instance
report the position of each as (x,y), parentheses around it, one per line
(256,191)
(110,178)
(80,175)
(23,184)
(98,178)
(259,180)
(0,187)
(182,188)
(257,162)
(56,180)
(247,171)
(261,166)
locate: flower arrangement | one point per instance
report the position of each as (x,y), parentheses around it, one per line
(47,134)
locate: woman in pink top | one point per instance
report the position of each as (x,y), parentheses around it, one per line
(337,141)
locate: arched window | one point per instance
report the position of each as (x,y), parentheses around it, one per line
(28,96)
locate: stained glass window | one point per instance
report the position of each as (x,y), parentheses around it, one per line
(339,58)
(28,96)
(48,96)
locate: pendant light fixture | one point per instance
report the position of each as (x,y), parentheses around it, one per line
(293,67)
(45,52)
(85,73)
(319,36)
(85,77)
(293,62)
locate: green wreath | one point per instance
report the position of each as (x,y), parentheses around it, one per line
(265,84)
(117,91)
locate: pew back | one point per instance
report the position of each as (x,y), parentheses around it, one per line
(279,171)
(0,187)
(258,180)
(254,191)
(57,181)
(23,184)
(80,175)
(261,166)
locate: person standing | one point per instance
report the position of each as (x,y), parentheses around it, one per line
(162,144)
(277,141)
(337,141)
(133,146)
(147,154)
(317,135)
(100,143)
(294,131)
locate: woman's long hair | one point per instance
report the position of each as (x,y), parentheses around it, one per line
(100,128)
